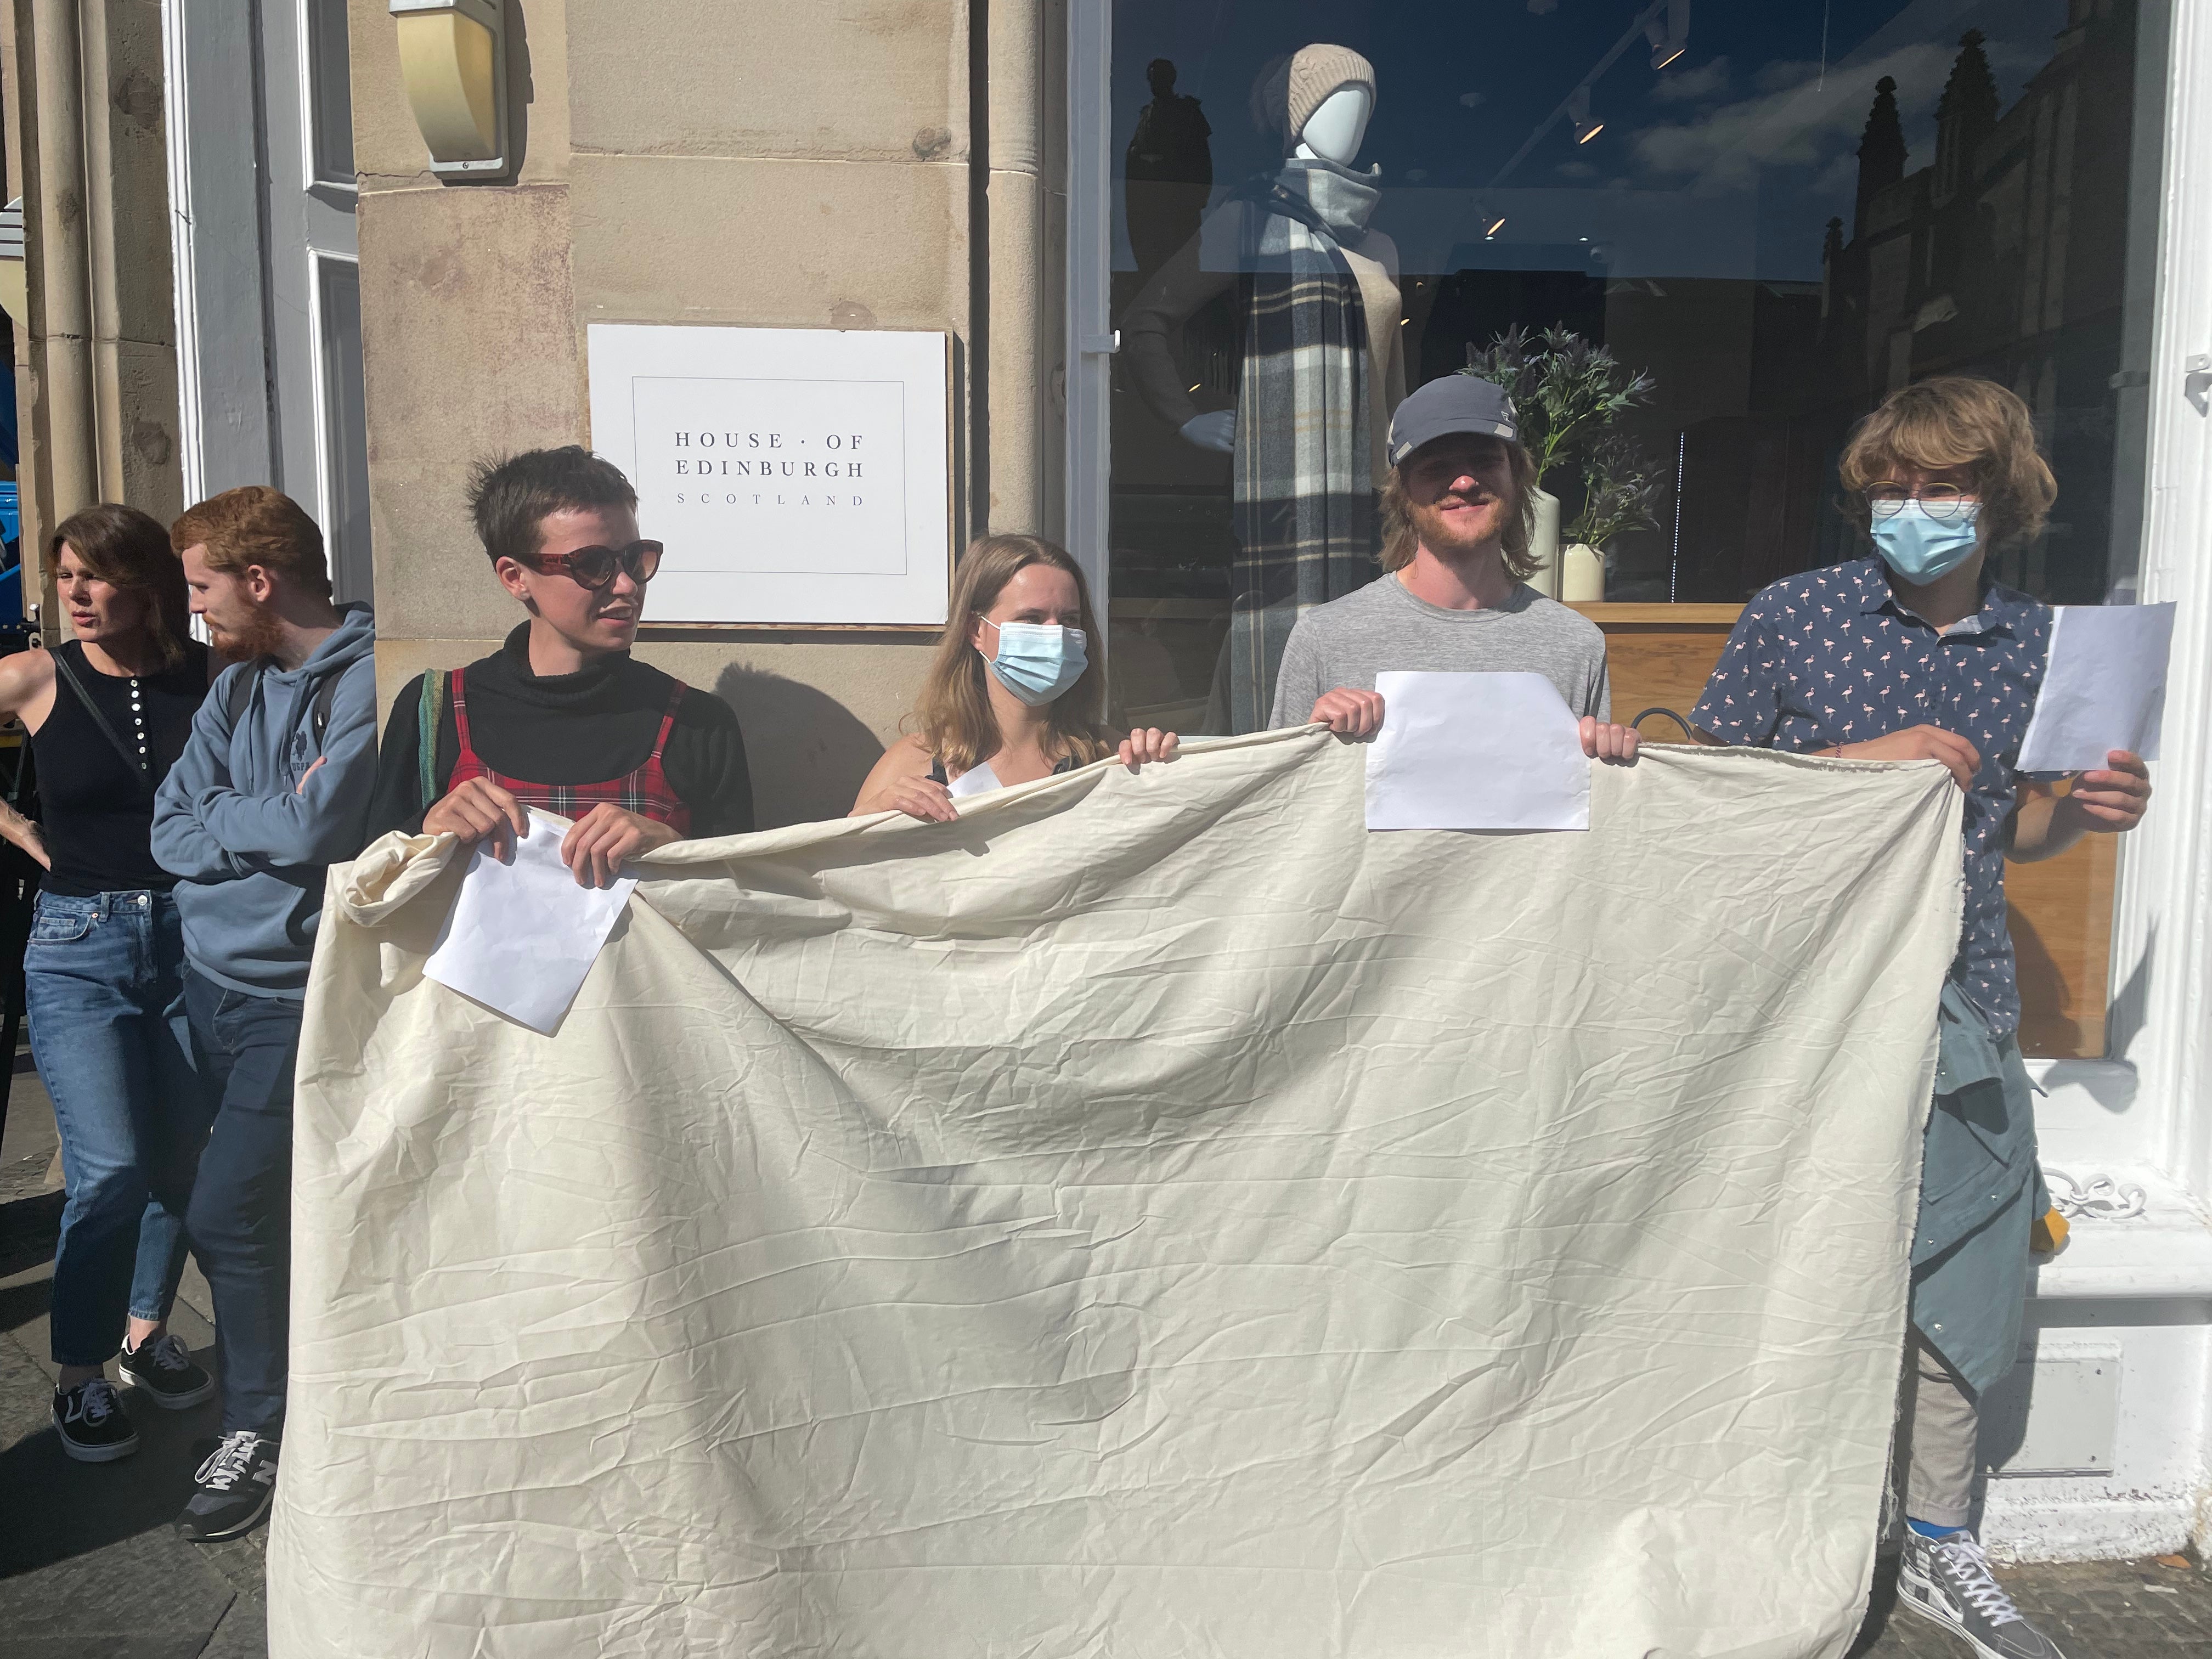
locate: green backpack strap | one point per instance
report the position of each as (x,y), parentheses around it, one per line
(429,711)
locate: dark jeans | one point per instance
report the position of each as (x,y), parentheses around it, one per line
(241,1219)
(103,984)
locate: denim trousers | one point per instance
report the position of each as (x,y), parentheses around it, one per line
(240,1219)
(103,981)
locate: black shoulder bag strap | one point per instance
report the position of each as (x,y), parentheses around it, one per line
(67,677)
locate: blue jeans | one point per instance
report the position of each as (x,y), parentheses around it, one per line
(241,1219)
(103,982)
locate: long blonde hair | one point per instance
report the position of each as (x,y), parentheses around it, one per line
(1957,420)
(1399,542)
(953,715)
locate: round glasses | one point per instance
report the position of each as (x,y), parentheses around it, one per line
(595,568)
(1938,500)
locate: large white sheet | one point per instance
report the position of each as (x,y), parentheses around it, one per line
(1151,1217)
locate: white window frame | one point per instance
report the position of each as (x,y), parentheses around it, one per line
(1092,340)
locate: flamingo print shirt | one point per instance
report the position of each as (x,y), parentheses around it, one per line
(1832,656)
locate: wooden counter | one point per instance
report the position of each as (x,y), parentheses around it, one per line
(1659,656)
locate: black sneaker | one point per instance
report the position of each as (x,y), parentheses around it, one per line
(237,1484)
(92,1423)
(1948,1580)
(162,1372)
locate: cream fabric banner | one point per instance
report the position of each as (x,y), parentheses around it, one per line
(1151,1217)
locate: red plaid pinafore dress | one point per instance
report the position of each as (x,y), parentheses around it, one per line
(645,792)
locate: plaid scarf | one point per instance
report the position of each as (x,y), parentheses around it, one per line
(1304,485)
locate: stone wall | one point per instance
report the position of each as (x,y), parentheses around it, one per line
(704,161)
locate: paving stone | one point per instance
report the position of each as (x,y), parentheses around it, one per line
(2093,1610)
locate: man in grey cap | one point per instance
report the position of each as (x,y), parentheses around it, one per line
(1456,515)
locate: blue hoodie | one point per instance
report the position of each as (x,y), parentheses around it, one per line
(246,842)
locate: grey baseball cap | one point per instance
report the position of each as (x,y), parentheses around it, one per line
(1456,403)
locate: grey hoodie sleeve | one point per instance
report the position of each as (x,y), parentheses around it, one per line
(321,821)
(181,844)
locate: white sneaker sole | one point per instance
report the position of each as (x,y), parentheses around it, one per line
(168,1402)
(1910,1590)
(83,1453)
(196,1534)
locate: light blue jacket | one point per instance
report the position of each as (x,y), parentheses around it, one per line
(246,842)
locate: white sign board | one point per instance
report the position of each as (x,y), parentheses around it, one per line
(797,476)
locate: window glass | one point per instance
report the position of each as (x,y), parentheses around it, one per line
(330,93)
(1772,214)
(345,418)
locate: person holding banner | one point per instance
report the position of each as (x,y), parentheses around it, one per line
(563,717)
(1012,694)
(1917,654)
(1454,598)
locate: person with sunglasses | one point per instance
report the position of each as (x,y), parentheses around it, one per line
(563,717)
(1915,654)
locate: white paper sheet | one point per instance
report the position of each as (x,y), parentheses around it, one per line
(2105,688)
(1476,751)
(522,934)
(974,781)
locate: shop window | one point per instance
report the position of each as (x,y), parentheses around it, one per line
(329,106)
(1769,215)
(1800,209)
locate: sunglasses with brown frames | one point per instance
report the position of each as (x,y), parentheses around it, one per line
(595,568)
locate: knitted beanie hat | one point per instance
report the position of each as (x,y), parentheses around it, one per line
(1286,100)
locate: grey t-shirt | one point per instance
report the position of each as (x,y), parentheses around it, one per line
(1383,629)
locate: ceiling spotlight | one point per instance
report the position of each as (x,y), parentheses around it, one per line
(1671,38)
(1579,107)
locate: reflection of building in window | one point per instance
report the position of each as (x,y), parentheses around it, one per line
(2004,256)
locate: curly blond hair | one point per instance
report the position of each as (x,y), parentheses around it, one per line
(1957,420)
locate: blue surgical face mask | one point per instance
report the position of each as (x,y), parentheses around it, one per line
(1921,547)
(1038,662)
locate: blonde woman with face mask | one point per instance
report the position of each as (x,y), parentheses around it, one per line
(1013,696)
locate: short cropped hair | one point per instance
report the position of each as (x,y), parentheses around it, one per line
(1957,420)
(255,524)
(1399,540)
(509,500)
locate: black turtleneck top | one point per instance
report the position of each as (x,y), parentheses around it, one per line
(586,727)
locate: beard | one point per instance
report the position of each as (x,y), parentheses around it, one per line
(255,637)
(1449,534)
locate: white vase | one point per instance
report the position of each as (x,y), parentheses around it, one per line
(1544,546)
(1582,575)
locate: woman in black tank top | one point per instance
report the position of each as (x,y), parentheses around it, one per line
(108,714)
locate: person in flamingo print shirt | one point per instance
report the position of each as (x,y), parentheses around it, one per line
(1917,654)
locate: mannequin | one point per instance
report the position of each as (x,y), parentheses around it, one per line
(1311,457)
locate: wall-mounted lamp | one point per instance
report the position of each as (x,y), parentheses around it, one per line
(1492,222)
(453,55)
(1579,107)
(1670,39)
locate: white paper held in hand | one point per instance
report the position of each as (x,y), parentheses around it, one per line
(1476,751)
(2104,687)
(974,781)
(522,934)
